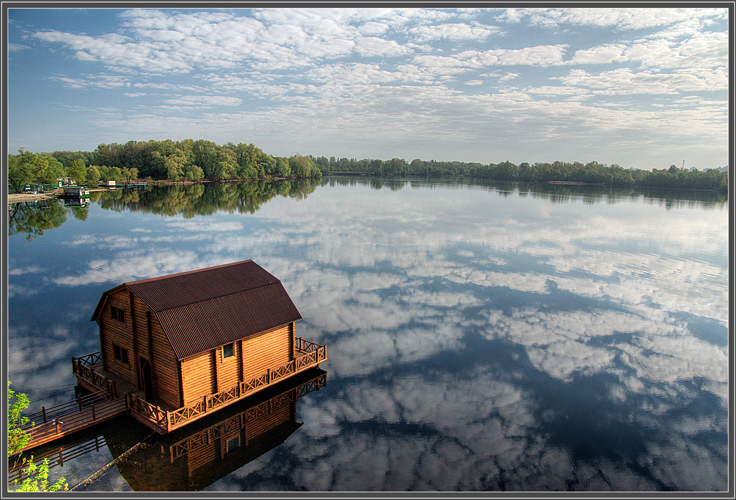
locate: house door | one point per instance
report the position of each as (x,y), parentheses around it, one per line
(147,379)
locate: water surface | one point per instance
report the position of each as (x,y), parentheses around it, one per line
(479,336)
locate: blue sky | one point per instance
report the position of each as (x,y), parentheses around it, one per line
(643,88)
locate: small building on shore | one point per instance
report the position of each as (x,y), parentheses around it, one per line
(192,342)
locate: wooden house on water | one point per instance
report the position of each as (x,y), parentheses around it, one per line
(181,346)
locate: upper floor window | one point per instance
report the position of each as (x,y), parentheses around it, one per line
(118,314)
(228,350)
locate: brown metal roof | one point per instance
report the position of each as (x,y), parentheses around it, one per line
(203,309)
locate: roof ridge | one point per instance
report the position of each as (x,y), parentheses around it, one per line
(184,273)
(216,296)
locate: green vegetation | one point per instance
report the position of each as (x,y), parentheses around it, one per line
(590,173)
(37,476)
(187,160)
(25,168)
(191,160)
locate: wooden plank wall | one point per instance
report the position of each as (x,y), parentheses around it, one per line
(121,334)
(208,372)
(268,349)
(157,351)
(228,369)
(164,365)
(197,377)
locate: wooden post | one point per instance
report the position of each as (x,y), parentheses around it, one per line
(93,412)
(79,401)
(57,424)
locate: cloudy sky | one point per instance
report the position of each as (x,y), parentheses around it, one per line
(644,88)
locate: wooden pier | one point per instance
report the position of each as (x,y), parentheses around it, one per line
(67,418)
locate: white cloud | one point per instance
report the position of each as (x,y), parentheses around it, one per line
(619,19)
(377,47)
(602,54)
(101,81)
(454,32)
(626,81)
(204,101)
(17,47)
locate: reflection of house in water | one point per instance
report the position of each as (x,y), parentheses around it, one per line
(199,454)
(76,202)
(181,346)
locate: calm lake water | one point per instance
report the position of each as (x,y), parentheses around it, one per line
(479,336)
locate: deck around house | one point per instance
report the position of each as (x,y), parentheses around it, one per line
(164,419)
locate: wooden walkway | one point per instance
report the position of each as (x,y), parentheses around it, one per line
(68,418)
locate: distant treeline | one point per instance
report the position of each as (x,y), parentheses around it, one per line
(591,173)
(191,160)
(186,160)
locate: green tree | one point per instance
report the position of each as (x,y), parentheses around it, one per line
(25,168)
(22,169)
(37,476)
(175,164)
(77,171)
(93,174)
(17,437)
(193,173)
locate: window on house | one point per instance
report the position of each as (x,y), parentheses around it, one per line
(118,314)
(233,444)
(228,350)
(120,354)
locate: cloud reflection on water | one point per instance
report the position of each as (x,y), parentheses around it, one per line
(448,314)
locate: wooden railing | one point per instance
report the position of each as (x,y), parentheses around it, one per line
(17,470)
(45,415)
(308,354)
(89,359)
(60,420)
(82,368)
(240,420)
(148,411)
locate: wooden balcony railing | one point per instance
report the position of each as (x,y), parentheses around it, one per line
(241,420)
(148,411)
(82,368)
(308,355)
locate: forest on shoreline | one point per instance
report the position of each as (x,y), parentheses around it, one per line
(558,171)
(201,160)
